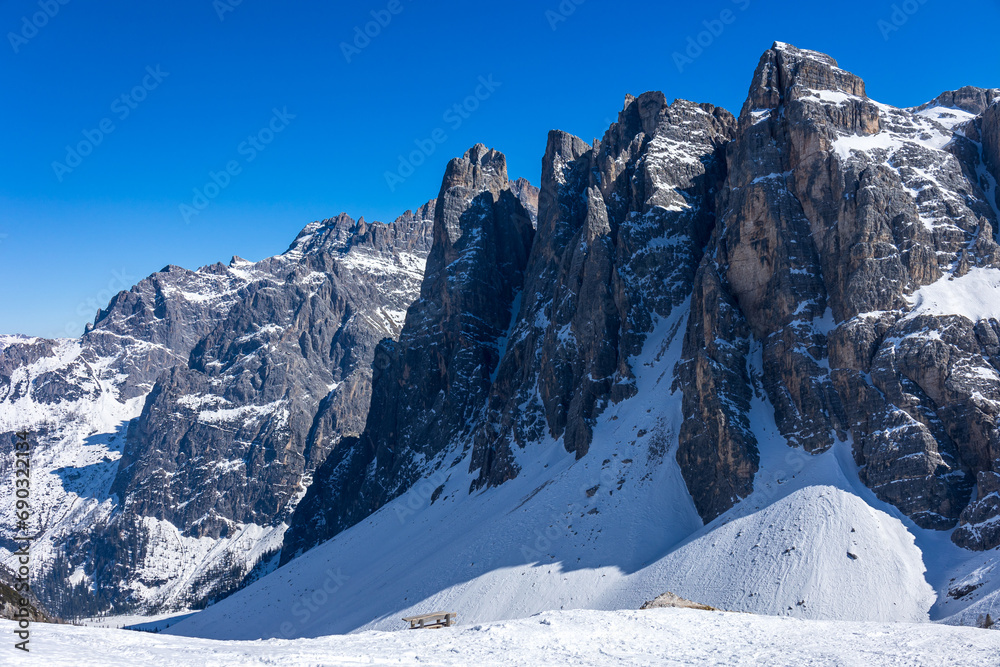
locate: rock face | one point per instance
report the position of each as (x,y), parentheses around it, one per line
(527,194)
(430,384)
(836,211)
(989,132)
(621,227)
(228,437)
(198,405)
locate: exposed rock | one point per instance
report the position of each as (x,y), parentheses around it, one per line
(793,249)
(228,438)
(428,387)
(990,133)
(835,210)
(717,451)
(621,228)
(980,529)
(527,194)
(671,601)
(832,211)
(968,98)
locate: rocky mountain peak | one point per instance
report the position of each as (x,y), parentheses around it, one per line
(480,169)
(333,232)
(967,98)
(561,149)
(619,236)
(527,194)
(786,73)
(197,405)
(811,275)
(836,214)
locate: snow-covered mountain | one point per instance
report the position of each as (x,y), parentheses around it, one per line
(173,439)
(753,361)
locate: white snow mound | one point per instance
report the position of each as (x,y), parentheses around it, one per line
(975,295)
(819,552)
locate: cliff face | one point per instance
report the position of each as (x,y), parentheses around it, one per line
(429,386)
(836,212)
(622,224)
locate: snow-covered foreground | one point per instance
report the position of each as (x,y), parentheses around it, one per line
(653,637)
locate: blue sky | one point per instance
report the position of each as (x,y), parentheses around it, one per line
(163,95)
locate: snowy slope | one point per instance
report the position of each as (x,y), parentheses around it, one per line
(577,638)
(608,532)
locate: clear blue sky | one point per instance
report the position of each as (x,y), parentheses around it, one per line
(66,245)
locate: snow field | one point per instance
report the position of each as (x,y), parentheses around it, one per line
(577,638)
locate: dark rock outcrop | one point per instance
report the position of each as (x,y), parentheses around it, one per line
(989,131)
(621,227)
(836,209)
(429,386)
